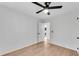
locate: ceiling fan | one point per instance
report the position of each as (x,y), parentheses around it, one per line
(46,7)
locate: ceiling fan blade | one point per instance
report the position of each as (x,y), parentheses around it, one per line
(38,4)
(39,11)
(55,7)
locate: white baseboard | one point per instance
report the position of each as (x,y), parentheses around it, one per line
(62,46)
(3,53)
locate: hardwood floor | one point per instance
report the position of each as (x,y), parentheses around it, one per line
(43,49)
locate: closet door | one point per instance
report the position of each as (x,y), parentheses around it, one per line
(44,31)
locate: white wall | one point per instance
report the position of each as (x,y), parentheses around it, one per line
(16,29)
(65,30)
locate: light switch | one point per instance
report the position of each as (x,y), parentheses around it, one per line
(77,37)
(77,48)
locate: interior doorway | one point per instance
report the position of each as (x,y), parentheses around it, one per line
(44,31)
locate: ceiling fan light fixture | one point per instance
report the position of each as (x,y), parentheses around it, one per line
(46,11)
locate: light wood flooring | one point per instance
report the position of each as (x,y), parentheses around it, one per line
(43,49)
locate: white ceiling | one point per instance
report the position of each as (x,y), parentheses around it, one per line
(30,8)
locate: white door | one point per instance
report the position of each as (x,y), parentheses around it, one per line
(44,31)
